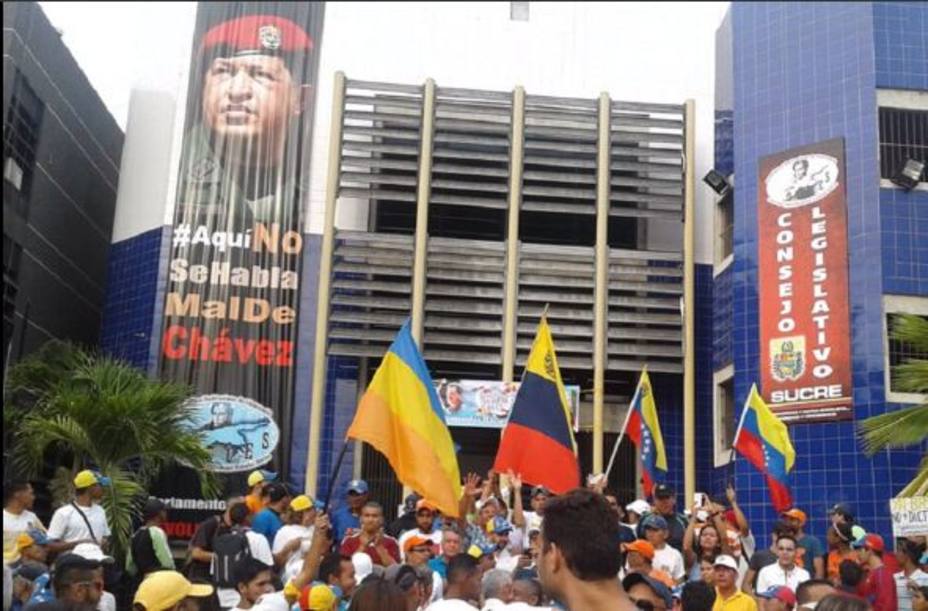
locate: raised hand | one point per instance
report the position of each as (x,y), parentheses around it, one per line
(472,485)
(514,480)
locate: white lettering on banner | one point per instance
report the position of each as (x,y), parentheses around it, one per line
(910,516)
(786,324)
(808,393)
(223,274)
(196,504)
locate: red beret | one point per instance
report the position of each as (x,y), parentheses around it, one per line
(258,34)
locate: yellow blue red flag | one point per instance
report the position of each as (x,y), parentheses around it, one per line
(763,439)
(643,428)
(538,441)
(401,416)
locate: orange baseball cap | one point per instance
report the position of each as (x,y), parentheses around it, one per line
(415,541)
(796,514)
(642,547)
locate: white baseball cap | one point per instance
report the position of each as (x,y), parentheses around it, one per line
(639,506)
(363,566)
(726,561)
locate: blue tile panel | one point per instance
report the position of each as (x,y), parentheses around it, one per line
(724,99)
(900,44)
(722,319)
(904,236)
(129,313)
(306,337)
(805,72)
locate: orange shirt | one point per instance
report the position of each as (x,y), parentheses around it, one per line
(662,577)
(254,503)
(834,561)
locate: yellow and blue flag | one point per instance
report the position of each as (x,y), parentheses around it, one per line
(643,428)
(538,441)
(401,416)
(763,439)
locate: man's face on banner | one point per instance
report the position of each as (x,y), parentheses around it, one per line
(250,97)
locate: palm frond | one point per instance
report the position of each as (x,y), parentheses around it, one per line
(896,429)
(912,329)
(919,485)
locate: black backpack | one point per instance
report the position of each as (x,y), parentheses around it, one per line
(228,549)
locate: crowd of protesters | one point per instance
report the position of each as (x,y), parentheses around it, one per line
(273,550)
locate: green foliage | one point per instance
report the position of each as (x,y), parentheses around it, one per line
(78,410)
(909,426)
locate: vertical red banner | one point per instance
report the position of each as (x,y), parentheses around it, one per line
(805,354)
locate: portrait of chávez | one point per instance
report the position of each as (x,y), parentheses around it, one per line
(241,161)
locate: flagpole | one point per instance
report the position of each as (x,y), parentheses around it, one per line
(338,466)
(734,440)
(628,415)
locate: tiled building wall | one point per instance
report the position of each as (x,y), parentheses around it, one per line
(132,292)
(900,44)
(904,236)
(804,73)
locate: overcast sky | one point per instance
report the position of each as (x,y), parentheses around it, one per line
(126,45)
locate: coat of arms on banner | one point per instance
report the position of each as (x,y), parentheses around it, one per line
(787,358)
(270,37)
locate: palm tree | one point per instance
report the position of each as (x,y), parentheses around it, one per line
(909,426)
(74,409)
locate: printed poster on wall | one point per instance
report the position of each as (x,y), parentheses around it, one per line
(234,270)
(488,403)
(803,283)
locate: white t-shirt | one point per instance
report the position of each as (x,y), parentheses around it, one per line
(903,596)
(452,604)
(493,604)
(68,525)
(285,535)
(506,560)
(434,537)
(774,575)
(15,525)
(532,521)
(260,550)
(670,561)
(107,602)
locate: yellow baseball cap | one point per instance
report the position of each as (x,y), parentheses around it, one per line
(260,475)
(319,597)
(301,503)
(163,589)
(88,478)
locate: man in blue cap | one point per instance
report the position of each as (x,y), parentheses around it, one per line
(347,516)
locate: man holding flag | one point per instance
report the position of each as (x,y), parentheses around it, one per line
(763,439)
(400,415)
(538,442)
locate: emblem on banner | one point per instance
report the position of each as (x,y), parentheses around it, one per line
(787,358)
(270,37)
(802,180)
(239,432)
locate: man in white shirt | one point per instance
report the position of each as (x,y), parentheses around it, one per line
(93,553)
(82,520)
(784,572)
(498,531)
(257,544)
(534,517)
(425,522)
(666,558)
(497,590)
(296,537)
(463,585)
(908,553)
(18,498)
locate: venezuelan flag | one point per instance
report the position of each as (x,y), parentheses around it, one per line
(763,439)
(401,416)
(643,428)
(538,441)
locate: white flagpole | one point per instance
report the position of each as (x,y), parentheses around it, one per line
(744,412)
(628,415)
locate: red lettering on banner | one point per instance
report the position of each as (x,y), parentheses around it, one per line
(180,343)
(805,369)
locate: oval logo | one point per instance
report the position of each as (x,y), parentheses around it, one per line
(239,432)
(802,180)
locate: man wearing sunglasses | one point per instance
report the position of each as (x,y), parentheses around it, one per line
(418,552)
(646,593)
(78,583)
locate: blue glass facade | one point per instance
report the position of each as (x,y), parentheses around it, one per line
(803,73)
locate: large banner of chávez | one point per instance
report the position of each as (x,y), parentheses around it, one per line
(230,311)
(803,270)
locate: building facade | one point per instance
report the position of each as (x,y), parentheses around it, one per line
(790,75)
(61,156)
(767,95)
